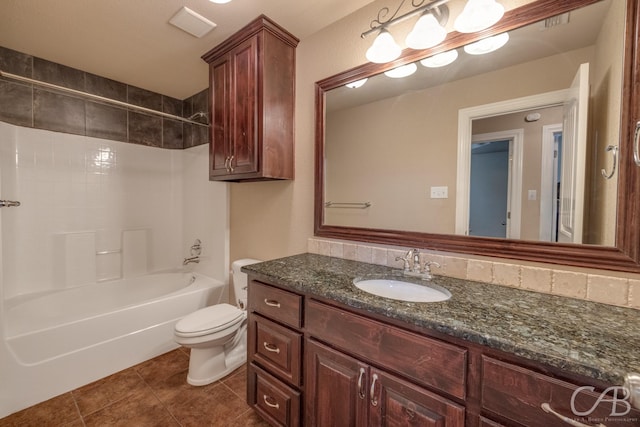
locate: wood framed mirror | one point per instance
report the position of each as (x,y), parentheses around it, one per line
(615,249)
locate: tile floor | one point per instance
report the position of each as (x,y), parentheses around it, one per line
(154,393)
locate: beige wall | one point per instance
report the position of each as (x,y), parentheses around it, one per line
(274,219)
(415,137)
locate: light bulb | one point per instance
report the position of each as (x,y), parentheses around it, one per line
(383,49)
(402,71)
(487,45)
(478,15)
(426,33)
(356,84)
(441,59)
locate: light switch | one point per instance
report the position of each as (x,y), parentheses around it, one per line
(533,194)
(439,192)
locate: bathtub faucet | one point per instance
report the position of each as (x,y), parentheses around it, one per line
(196,250)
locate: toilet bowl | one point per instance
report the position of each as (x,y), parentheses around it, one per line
(217,335)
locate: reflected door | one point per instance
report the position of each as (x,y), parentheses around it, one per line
(489,194)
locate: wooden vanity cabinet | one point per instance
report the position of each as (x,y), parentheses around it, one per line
(274,353)
(315,363)
(252,91)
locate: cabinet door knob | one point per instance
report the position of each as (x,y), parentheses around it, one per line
(549,410)
(372,392)
(268,401)
(270,347)
(272,303)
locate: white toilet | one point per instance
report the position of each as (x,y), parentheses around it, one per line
(217,335)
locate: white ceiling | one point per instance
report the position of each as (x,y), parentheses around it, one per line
(131,41)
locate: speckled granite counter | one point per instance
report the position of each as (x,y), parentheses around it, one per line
(586,338)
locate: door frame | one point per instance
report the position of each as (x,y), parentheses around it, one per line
(547,181)
(465,119)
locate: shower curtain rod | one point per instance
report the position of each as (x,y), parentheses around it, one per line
(104,99)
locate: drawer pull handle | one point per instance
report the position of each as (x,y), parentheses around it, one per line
(267,401)
(361,391)
(636,144)
(272,303)
(372,392)
(547,408)
(270,347)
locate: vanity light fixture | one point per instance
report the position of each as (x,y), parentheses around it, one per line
(356,84)
(402,71)
(487,45)
(384,48)
(220,1)
(441,59)
(429,30)
(478,15)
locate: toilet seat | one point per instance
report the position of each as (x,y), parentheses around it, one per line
(209,320)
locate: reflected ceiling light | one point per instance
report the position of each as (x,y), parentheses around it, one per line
(402,71)
(426,33)
(356,84)
(478,15)
(487,45)
(430,29)
(384,48)
(441,59)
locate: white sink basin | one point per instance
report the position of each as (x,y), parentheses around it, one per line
(403,291)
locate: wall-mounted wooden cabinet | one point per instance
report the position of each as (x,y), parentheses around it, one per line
(252,95)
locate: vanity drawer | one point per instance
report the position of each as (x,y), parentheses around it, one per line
(276,347)
(279,305)
(517,393)
(272,399)
(424,360)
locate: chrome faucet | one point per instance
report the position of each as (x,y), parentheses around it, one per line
(196,250)
(413,266)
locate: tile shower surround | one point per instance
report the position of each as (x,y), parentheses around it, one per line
(29,105)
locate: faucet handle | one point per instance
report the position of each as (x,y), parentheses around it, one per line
(406,262)
(427,266)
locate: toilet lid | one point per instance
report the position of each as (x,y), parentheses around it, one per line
(209,319)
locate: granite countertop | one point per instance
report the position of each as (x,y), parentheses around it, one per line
(591,339)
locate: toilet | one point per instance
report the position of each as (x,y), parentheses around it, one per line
(217,335)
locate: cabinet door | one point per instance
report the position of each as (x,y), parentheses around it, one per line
(244,97)
(395,402)
(219,149)
(336,388)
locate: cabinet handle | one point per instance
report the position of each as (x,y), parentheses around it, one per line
(361,391)
(231,164)
(272,303)
(226,163)
(547,408)
(270,347)
(372,392)
(636,144)
(267,401)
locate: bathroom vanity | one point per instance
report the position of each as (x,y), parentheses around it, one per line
(322,352)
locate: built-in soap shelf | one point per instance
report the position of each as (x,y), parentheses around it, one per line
(86,257)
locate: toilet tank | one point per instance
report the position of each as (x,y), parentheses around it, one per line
(240,280)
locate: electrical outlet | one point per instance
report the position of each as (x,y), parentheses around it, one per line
(439,192)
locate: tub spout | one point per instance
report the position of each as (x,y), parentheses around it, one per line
(195,259)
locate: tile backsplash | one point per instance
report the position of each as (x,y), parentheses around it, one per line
(33,106)
(593,285)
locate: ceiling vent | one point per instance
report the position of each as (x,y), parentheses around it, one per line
(191,22)
(554,21)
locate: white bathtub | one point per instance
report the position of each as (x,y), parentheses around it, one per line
(58,341)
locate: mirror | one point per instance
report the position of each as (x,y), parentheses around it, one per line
(406,161)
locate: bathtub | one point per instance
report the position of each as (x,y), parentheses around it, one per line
(57,341)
